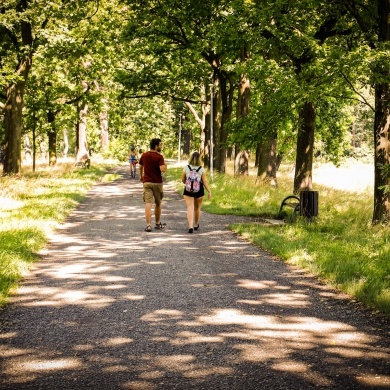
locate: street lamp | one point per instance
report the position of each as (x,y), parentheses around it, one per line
(211,132)
(178,159)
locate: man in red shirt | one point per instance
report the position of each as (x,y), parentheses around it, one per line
(151,166)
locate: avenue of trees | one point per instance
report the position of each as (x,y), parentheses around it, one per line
(286,78)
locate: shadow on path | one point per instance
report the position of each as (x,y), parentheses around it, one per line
(110,306)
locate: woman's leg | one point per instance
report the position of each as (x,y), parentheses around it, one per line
(197,206)
(189,200)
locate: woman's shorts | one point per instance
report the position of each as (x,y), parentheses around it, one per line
(195,195)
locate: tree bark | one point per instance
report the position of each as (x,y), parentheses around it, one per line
(267,162)
(381,125)
(303,179)
(82,148)
(222,109)
(224,102)
(104,130)
(13,125)
(82,152)
(52,138)
(66,143)
(241,163)
(243,100)
(15,97)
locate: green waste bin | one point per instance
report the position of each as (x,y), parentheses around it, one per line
(308,203)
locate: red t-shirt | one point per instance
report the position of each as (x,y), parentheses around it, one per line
(151,162)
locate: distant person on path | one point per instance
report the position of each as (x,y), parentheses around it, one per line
(193,196)
(151,167)
(133,155)
(133,160)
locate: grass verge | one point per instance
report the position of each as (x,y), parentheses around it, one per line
(340,246)
(31,206)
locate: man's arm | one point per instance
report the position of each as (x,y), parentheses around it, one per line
(141,172)
(163,168)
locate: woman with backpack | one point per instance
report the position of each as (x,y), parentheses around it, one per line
(194,178)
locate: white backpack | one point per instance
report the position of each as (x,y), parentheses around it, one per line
(192,182)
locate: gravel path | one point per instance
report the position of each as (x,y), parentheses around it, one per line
(110,306)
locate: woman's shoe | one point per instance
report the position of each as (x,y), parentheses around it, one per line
(190,230)
(196,227)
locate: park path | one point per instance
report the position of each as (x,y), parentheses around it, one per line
(110,306)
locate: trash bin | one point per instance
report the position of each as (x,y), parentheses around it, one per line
(308,203)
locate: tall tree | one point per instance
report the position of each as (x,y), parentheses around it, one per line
(181,49)
(372,19)
(25,26)
(16,38)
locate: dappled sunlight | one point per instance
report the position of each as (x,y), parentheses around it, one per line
(113,306)
(59,297)
(189,366)
(366,378)
(133,297)
(303,371)
(256,284)
(117,341)
(51,365)
(14,352)
(162,315)
(184,338)
(288,300)
(234,335)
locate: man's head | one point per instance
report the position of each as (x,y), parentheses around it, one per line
(155,144)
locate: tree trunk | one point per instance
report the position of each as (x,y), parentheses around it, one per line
(15,97)
(82,149)
(52,138)
(241,163)
(66,143)
(223,102)
(34,140)
(305,145)
(201,121)
(13,128)
(104,130)
(267,162)
(381,125)
(243,99)
(222,109)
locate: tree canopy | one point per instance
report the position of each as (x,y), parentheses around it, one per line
(288,79)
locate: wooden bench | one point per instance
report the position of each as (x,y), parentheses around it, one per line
(83,164)
(291,201)
(306,204)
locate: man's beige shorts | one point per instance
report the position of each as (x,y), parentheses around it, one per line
(153,190)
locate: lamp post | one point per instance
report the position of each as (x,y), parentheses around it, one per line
(211,133)
(178,153)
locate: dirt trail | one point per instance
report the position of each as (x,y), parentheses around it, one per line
(110,306)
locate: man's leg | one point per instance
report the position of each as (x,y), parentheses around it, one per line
(148,214)
(157,213)
(148,199)
(158,196)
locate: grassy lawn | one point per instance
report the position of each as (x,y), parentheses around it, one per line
(340,246)
(31,206)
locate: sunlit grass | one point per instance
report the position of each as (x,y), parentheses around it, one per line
(339,246)
(31,206)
